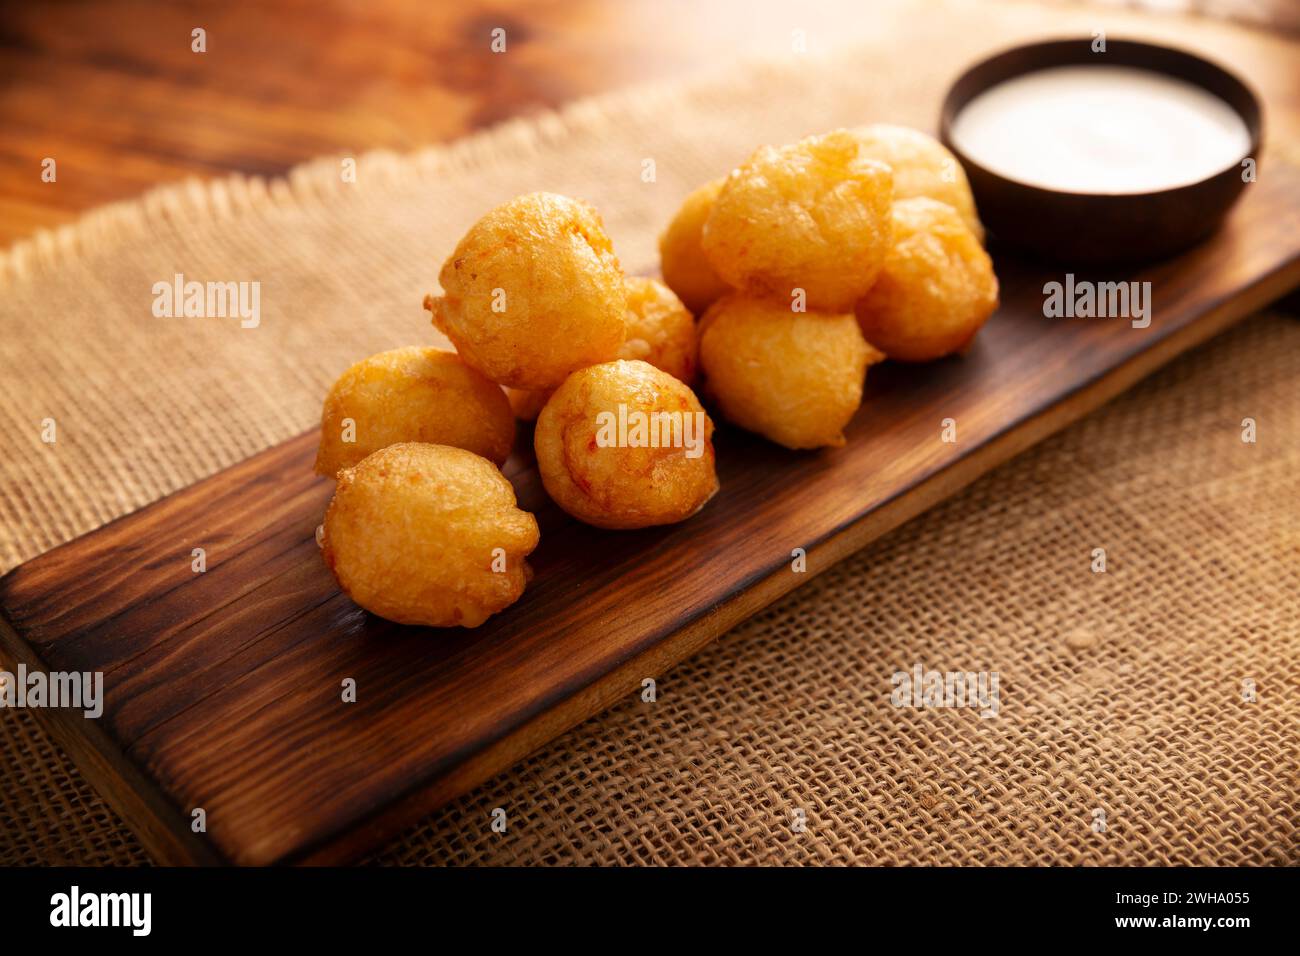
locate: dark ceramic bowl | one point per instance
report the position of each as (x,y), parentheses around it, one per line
(1100,228)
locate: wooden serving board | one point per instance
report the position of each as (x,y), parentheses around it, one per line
(223,688)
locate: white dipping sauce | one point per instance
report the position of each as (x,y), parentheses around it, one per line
(1101,129)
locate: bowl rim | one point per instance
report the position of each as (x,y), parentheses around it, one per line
(954,104)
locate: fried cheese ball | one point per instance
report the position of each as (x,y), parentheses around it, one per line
(686,271)
(813,215)
(625,445)
(793,377)
(532,292)
(428,534)
(527,405)
(412,394)
(660,331)
(937,287)
(922,166)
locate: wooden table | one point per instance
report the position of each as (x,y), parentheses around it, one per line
(113,92)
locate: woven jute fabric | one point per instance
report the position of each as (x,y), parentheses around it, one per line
(1155,702)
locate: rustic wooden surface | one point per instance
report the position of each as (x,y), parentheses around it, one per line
(112,91)
(223,689)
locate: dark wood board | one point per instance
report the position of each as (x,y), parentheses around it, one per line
(223,689)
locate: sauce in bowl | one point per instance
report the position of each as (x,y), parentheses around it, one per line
(1101,129)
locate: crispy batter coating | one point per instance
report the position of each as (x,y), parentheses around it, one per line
(686,271)
(937,287)
(428,534)
(527,405)
(412,394)
(794,377)
(813,215)
(533,292)
(922,166)
(625,445)
(659,330)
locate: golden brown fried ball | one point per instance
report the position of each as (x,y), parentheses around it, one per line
(659,330)
(412,394)
(813,215)
(525,404)
(922,166)
(428,534)
(686,271)
(625,445)
(793,377)
(533,292)
(937,287)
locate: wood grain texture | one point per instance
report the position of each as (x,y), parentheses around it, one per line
(223,688)
(112,91)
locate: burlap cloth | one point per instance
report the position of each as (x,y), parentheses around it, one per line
(1120,692)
